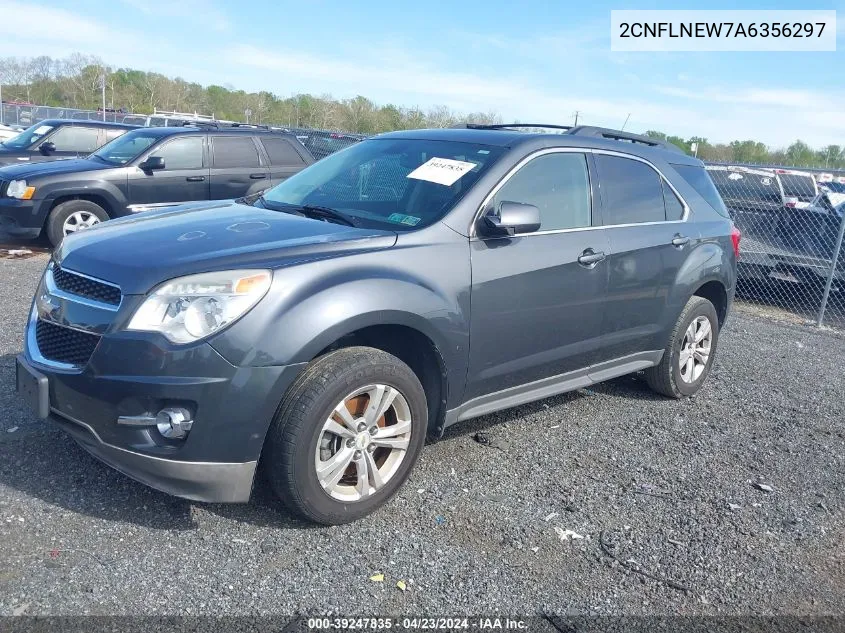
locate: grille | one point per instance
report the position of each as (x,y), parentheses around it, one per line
(64,345)
(84,287)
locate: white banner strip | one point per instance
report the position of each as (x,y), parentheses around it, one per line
(684,30)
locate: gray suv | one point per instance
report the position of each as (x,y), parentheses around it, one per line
(318,333)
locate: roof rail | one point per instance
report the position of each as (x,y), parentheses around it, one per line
(508,126)
(224,125)
(619,135)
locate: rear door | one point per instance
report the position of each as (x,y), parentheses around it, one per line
(183,179)
(645,221)
(236,167)
(284,156)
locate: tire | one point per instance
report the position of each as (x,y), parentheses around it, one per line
(64,212)
(297,442)
(672,379)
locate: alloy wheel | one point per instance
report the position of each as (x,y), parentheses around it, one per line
(363,442)
(695,349)
(79,221)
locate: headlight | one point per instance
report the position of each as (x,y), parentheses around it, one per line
(18,189)
(191,308)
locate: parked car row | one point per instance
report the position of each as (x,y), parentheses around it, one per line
(138,170)
(789,221)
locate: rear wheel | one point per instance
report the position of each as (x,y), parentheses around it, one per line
(346,436)
(688,358)
(72,216)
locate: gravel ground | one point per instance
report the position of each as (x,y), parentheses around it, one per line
(661,487)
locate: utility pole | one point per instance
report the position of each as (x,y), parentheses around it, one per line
(102,79)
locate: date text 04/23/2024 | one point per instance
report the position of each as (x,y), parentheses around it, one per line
(418,624)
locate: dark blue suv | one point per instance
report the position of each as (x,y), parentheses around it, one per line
(320,331)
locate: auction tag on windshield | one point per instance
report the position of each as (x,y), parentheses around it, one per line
(443,171)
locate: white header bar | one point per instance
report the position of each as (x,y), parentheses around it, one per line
(683,30)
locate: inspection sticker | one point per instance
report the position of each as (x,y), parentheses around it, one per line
(443,171)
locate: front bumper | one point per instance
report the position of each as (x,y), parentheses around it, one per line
(21,218)
(213,482)
(133,375)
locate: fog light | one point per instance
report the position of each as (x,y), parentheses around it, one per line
(174,423)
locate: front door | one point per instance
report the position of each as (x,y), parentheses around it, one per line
(536,309)
(185,176)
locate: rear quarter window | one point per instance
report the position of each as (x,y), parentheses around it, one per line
(698,178)
(281,151)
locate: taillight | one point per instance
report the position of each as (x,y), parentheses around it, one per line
(790,203)
(736,236)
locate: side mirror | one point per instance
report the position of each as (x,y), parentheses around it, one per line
(47,148)
(153,163)
(510,218)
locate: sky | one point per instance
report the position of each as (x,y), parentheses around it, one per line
(532,61)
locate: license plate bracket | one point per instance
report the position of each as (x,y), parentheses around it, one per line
(33,387)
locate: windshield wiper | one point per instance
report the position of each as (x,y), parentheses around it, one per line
(327,213)
(308,211)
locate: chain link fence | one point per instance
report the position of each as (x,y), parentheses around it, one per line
(792,224)
(792,220)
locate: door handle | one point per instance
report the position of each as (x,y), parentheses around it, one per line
(590,258)
(195,178)
(680,241)
(258,176)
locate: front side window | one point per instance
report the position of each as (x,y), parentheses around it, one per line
(126,147)
(29,136)
(401,184)
(183,153)
(632,191)
(558,185)
(73,138)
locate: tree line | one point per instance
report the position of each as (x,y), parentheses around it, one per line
(75,82)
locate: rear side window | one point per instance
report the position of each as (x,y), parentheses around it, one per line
(698,178)
(798,186)
(558,184)
(281,152)
(632,191)
(234,151)
(72,138)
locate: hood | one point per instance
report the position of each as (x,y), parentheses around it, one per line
(141,251)
(48,167)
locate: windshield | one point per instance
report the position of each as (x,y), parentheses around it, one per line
(29,136)
(126,147)
(403,184)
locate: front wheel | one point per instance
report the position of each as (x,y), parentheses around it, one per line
(346,436)
(688,358)
(72,216)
